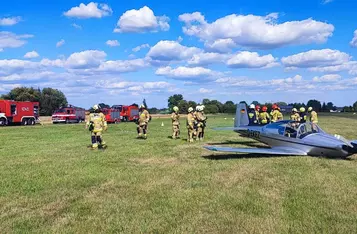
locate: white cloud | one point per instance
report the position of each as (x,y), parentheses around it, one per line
(185,72)
(353,42)
(142,20)
(203,90)
(246,59)
(76,26)
(91,10)
(327,78)
(112,43)
(60,43)
(86,59)
(350,66)
(326,1)
(202,59)
(138,48)
(11,40)
(179,39)
(171,51)
(10,21)
(252,31)
(121,66)
(316,58)
(221,45)
(32,54)
(28,76)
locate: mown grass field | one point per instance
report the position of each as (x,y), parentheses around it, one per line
(51,182)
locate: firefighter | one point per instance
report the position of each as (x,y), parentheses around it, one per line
(313,115)
(205,120)
(252,115)
(264,117)
(201,119)
(175,117)
(190,123)
(144,118)
(257,112)
(97,124)
(276,115)
(295,115)
(302,115)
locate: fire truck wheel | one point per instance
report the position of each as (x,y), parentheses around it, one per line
(24,122)
(2,122)
(31,122)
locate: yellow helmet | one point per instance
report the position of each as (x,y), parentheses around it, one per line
(302,109)
(95,107)
(190,109)
(309,109)
(176,109)
(294,110)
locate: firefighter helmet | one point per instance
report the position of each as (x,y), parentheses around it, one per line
(190,109)
(257,107)
(96,107)
(265,108)
(302,109)
(274,106)
(294,110)
(309,109)
(252,106)
(142,106)
(202,107)
(176,108)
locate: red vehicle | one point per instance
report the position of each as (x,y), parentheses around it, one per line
(112,115)
(128,113)
(13,112)
(70,114)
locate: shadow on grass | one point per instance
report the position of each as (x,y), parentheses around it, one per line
(241,156)
(246,143)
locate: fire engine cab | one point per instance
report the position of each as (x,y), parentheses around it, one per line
(13,112)
(127,113)
(69,114)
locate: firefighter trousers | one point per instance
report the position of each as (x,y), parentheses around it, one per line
(191,133)
(142,129)
(97,138)
(175,131)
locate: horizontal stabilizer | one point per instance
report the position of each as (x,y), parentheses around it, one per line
(273,151)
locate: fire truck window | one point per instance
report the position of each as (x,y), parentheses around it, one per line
(68,112)
(35,110)
(13,110)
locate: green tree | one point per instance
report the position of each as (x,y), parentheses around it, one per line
(192,104)
(211,109)
(174,100)
(330,106)
(255,103)
(281,103)
(229,107)
(354,106)
(315,104)
(51,99)
(144,103)
(183,106)
(23,94)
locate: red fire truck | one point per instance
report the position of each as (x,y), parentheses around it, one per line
(112,115)
(127,113)
(13,112)
(69,114)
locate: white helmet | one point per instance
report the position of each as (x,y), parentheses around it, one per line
(202,107)
(252,106)
(176,109)
(198,108)
(95,107)
(190,109)
(142,106)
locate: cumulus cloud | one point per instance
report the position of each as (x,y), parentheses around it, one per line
(221,45)
(171,51)
(353,43)
(121,66)
(76,26)
(112,43)
(262,32)
(316,58)
(86,59)
(91,10)
(185,72)
(142,20)
(138,48)
(32,54)
(11,40)
(246,59)
(60,43)
(202,59)
(10,21)
(203,90)
(327,78)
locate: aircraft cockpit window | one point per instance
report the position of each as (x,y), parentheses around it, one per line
(307,129)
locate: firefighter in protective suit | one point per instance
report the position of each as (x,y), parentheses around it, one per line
(190,123)
(253,118)
(175,117)
(276,115)
(264,117)
(303,115)
(295,117)
(97,124)
(313,115)
(142,122)
(201,119)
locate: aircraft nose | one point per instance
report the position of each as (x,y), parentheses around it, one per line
(349,149)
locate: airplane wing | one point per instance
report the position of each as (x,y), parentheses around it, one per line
(230,128)
(275,150)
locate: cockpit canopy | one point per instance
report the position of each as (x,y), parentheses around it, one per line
(293,129)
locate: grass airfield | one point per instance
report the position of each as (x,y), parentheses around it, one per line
(51,182)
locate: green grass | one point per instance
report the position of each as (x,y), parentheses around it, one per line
(51,182)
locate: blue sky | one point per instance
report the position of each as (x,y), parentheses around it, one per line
(119,53)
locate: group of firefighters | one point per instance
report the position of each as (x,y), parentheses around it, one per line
(196,123)
(260,116)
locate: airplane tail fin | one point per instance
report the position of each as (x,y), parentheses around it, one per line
(241,118)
